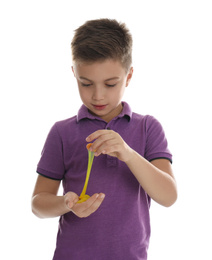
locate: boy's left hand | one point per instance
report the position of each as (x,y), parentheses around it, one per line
(111,143)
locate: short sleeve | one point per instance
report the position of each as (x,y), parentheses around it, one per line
(51,163)
(156,142)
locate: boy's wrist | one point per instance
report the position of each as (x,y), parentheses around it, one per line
(131,155)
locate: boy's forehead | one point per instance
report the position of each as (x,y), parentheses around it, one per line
(104,69)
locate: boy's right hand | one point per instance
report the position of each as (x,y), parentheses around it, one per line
(86,208)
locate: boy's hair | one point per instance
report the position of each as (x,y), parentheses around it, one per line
(101,39)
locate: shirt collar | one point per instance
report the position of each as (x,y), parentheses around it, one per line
(84,113)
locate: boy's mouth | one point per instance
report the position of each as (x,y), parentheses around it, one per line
(99,107)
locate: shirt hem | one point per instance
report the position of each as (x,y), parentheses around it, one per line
(160,158)
(49,177)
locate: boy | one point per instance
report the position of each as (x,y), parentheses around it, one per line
(132,164)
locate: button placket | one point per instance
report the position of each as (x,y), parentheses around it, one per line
(111,161)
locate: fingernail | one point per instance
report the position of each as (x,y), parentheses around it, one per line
(102,196)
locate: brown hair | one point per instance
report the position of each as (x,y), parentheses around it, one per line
(101,39)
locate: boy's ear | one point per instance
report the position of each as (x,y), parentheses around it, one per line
(72,67)
(129,76)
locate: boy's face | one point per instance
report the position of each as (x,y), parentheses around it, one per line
(101,87)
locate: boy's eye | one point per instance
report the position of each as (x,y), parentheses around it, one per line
(85,85)
(111,85)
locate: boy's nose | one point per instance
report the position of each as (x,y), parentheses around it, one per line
(98,93)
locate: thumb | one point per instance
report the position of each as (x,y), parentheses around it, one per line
(73,199)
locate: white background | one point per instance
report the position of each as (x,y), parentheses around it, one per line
(172,59)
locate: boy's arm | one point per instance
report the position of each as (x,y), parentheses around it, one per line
(156,178)
(46,203)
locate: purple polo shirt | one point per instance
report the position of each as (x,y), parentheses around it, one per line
(120,228)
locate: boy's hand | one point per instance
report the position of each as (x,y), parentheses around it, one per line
(86,208)
(111,143)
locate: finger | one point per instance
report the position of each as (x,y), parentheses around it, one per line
(88,207)
(78,209)
(71,198)
(102,142)
(106,147)
(104,138)
(96,135)
(94,206)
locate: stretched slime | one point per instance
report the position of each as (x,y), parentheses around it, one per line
(83,197)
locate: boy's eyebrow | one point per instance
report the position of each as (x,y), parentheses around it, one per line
(112,78)
(105,80)
(85,78)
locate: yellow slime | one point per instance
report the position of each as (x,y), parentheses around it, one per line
(83,197)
